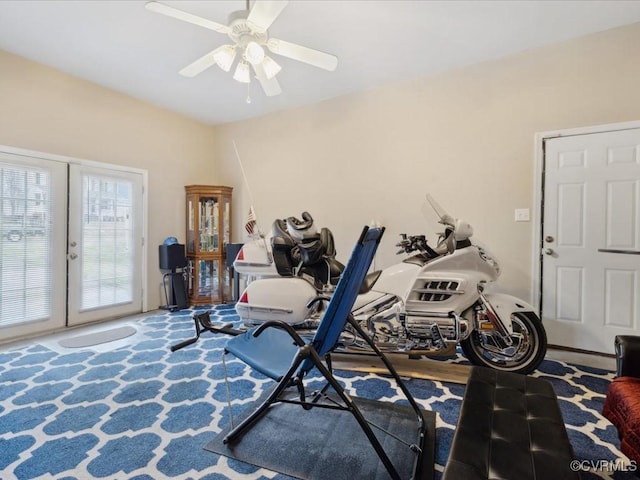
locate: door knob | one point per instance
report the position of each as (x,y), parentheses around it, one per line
(549,239)
(548,251)
(73,256)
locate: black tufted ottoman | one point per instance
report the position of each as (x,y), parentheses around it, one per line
(510,427)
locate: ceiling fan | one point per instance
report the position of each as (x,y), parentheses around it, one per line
(247,30)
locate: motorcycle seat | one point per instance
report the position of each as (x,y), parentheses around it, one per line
(314,248)
(301,229)
(326,237)
(282,245)
(318,258)
(304,224)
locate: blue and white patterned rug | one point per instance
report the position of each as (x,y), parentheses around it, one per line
(140,412)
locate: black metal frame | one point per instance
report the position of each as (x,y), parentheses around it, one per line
(324,365)
(203,323)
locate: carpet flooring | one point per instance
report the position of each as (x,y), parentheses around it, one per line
(141,412)
(322,444)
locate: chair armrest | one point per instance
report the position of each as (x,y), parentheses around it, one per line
(282,326)
(627,356)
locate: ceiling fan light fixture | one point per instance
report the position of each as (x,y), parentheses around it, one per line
(248,31)
(254,53)
(271,67)
(242,73)
(225,56)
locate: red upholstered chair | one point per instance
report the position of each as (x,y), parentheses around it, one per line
(622,405)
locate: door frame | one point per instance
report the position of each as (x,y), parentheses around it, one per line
(538,195)
(110,166)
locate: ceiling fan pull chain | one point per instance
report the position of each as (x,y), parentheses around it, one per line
(249,92)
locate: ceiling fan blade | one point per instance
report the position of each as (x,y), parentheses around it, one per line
(271,86)
(264,12)
(200,65)
(303,54)
(186,17)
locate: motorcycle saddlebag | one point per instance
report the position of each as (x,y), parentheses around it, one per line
(282,299)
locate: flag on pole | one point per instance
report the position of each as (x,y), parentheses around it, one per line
(251,222)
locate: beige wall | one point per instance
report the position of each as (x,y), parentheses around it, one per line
(44,110)
(466,136)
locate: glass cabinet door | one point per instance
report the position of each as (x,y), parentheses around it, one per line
(226,221)
(208,231)
(191,224)
(204,280)
(209,224)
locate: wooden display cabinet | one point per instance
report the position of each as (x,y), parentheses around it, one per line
(208,233)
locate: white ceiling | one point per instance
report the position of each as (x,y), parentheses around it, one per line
(121,45)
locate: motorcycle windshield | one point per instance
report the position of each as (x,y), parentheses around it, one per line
(436,207)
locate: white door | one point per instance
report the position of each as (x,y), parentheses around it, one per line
(591,239)
(104,244)
(33,202)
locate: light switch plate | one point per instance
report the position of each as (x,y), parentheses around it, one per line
(522,215)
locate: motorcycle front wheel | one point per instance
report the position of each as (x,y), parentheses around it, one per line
(524,355)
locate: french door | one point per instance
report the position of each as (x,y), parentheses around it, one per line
(105,244)
(33,205)
(70,243)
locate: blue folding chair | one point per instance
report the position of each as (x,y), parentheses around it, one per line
(276,350)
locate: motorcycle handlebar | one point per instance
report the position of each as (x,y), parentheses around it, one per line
(411,243)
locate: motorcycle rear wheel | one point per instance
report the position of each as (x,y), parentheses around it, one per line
(529,340)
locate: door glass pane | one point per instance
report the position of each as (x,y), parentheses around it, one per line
(107,239)
(26,205)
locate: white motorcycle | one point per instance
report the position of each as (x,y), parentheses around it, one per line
(425,305)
